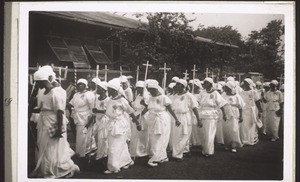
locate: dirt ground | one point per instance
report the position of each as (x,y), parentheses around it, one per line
(264,161)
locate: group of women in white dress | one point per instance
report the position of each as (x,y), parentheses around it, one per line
(121,124)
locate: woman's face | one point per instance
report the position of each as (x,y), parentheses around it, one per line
(100,90)
(207,85)
(93,86)
(139,90)
(227,90)
(112,92)
(152,91)
(180,87)
(272,87)
(81,87)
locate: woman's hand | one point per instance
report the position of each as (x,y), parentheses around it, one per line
(200,124)
(177,123)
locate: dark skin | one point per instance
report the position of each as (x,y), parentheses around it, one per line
(273,88)
(208,87)
(59,113)
(154,93)
(114,94)
(81,87)
(247,87)
(229,92)
(181,91)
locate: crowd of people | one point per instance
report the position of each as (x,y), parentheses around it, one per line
(120,123)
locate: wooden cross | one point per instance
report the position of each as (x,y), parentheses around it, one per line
(59,75)
(212,75)
(165,75)
(281,78)
(105,73)
(206,73)
(121,70)
(240,74)
(137,73)
(146,72)
(194,74)
(185,75)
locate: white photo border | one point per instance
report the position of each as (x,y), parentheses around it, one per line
(285,8)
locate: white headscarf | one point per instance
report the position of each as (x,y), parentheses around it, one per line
(154,84)
(248,80)
(183,82)
(114,84)
(102,85)
(84,81)
(41,75)
(274,82)
(230,78)
(96,80)
(123,79)
(171,85)
(197,82)
(175,79)
(140,84)
(210,80)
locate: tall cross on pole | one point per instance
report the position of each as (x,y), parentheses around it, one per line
(194,75)
(206,72)
(146,72)
(59,75)
(121,70)
(185,75)
(137,74)
(240,74)
(165,69)
(105,73)
(281,78)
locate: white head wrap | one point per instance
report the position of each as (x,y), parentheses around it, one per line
(171,85)
(222,83)
(96,80)
(154,84)
(175,79)
(231,85)
(48,70)
(123,79)
(248,80)
(41,75)
(114,84)
(102,85)
(266,84)
(210,80)
(183,82)
(274,82)
(258,83)
(197,82)
(140,84)
(230,78)
(84,81)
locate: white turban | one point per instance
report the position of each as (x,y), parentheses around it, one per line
(258,83)
(102,85)
(183,82)
(230,78)
(140,84)
(210,80)
(274,82)
(222,83)
(49,70)
(171,85)
(154,84)
(197,82)
(84,81)
(231,85)
(266,84)
(114,84)
(123,79)
(175,79)
(96,81)
(248,80)
(41,75)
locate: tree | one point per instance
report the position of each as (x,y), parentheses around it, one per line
(266,50)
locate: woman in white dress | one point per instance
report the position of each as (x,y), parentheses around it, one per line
(82,104)
(54,155)
(182,104)
(248,128)
(210,101)
(158,121)
(101,120)
(274,110)
(234,116)
(266,88)
(219,133)
(139,139)
(117,110)
(196,136)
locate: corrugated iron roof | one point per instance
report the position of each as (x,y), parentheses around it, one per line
(97,18)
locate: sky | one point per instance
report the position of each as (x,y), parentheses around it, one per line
(243,23)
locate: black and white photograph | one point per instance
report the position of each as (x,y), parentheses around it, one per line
(156,91)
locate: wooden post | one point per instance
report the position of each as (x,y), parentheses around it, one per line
(194,74)
(185,75)
(105,73)
(206,72)
(146,72)
(137,74)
